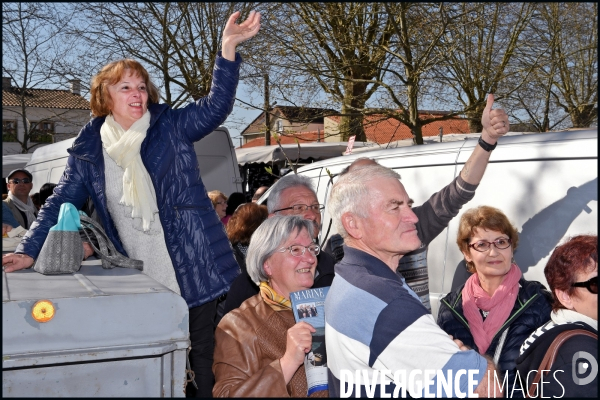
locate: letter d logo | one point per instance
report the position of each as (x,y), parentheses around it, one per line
(582,367)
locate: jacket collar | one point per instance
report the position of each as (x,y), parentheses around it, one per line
(372,264)
(88,144)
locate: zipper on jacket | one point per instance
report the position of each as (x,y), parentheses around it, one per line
(506,324)
(457,315)
(515,315)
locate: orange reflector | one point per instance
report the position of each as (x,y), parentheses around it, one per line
(43,311)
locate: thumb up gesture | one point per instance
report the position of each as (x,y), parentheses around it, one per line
(495,122)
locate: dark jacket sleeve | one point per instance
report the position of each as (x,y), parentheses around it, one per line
(450,315)
(326,270)
(435,214)
(206,114)
(241,290)
(70,189)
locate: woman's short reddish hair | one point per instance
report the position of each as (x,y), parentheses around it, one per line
(244,221)
(110,74)
(484,217)
(567,261)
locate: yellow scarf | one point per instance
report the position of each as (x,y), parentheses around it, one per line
(273,299)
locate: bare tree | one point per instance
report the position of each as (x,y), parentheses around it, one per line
(561,90)
(480,55)
(176,42)
(33,44)
(413,51)
(573,29)
(533,104)
(332,48)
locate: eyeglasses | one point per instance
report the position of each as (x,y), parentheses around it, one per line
(300,208)
(220,202)
(482,245)
(16,181)
(591,284)
(297,250)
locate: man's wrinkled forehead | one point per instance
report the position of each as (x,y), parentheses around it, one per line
(298,195)
(386,190)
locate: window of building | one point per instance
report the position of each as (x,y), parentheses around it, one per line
(9,130)
(279,126)
(42,132)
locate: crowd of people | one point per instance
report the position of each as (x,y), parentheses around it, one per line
(236,262)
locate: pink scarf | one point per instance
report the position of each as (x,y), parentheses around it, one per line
(499,306)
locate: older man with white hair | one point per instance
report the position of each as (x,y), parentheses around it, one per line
(437,212)
(390,337)
(389,334)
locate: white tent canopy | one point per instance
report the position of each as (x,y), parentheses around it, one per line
(14,161)
(317,151)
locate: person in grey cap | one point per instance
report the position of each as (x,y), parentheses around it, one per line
(20,204)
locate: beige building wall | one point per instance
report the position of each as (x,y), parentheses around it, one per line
(332,132)
(67,123)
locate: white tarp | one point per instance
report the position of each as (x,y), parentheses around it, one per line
(317,151)
(14,161)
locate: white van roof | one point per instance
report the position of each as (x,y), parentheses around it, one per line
(470,141)
(14,161)
(51,152)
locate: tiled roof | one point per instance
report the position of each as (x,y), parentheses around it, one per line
(302,137)
(305,114)
(44,98)
(292,114)
(382,130)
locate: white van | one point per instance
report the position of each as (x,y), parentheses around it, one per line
(216,158)
(546,183)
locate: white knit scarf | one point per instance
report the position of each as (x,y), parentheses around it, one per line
(124,148)
(28,208)
(564,316)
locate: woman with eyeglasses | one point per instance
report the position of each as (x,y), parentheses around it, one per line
(496,309)
(219,202)
(260,349)
(572,274)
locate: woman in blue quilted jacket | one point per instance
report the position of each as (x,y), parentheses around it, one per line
(496,309)
(136,161)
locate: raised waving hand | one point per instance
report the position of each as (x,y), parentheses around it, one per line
(234,34)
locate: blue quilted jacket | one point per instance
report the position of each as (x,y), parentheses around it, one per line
(195,237)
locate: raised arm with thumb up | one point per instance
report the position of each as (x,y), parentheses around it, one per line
(495,124)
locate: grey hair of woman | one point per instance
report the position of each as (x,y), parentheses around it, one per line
(268,238)
(288,181)
(351,194)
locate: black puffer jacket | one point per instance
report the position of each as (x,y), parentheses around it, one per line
(531,310)
(560,381)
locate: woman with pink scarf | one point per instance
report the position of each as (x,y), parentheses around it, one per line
(496,309)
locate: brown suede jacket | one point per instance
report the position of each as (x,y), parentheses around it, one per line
(250,340)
